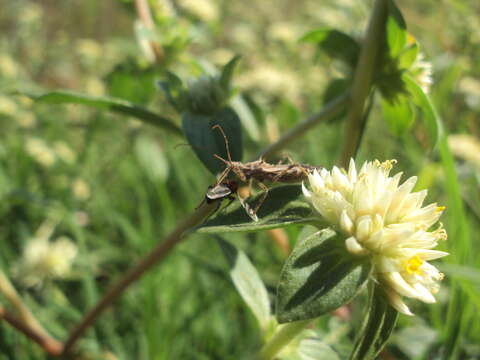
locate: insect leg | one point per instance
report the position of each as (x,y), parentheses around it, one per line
(260,202)
(247,208)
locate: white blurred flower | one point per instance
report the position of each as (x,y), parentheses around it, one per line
(470,87)
(243,34)
(89,49)
(8,67)
(81,190)
(64,152)
(206,10)
(163,8)
(7,106)
(221,56)
(32,13)
(40,152)
(25,119)
(466,147)
(284,31)
(422,71)
(274,81)
(385,221)
(43,259)
(95,87)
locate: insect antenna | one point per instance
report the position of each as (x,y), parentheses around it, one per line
(222,159)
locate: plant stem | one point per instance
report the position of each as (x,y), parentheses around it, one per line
(50,345)
(145,16)
(282,337)
(153,258)
(332,108)
(362,79)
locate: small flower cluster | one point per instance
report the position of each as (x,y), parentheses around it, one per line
(44,259)
(385,221)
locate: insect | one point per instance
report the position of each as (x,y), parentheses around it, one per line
(259,171)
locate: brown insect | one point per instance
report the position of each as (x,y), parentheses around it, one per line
(259,171)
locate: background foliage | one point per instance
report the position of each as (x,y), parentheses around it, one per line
(115,186)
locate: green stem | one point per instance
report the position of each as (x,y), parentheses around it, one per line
(284,335)
(332,108)
(145,16)
(362,79)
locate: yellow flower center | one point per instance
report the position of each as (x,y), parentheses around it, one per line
(412,265)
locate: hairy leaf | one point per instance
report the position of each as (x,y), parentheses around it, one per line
(207,142)
(318,277)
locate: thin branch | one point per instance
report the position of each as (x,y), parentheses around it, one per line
(145,16)
(153,258)
(362,79)
(50,345)
(332,108)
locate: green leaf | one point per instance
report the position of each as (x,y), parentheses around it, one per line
(319,276)
(283,206)
(314,349)
(408,56)
(207,142)
(396,30)
(227,73)
(173,90)
(422,100)
(108,103)
(398,114)
(308,345)
(335,43)
(132,82)
(377,327)
(248,283)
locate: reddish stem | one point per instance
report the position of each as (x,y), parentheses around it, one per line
(49,344)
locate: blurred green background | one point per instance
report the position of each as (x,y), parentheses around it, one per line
(106,188)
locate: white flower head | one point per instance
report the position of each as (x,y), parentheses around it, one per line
(44,259)
(386,221)
(423,72)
